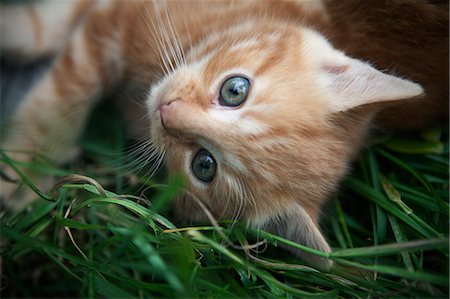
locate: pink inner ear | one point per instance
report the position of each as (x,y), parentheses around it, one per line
(335,69)
(353,83)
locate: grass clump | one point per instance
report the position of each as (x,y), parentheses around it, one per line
(388,226)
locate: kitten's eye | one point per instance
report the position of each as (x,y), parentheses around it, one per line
(204,166)
(234,91)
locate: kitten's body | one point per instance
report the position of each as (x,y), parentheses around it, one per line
(279,155)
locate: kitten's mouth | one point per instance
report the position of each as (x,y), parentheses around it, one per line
(162,121)
(166,129)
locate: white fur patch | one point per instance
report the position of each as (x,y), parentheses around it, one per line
(234,121)
(234,162)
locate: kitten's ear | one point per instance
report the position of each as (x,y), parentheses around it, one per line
(351,83)
(297,225)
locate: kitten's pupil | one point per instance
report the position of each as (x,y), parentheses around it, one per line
(234,91)
(204,166)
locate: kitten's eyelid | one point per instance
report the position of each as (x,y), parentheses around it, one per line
(190,155)
(216,98)
(250,79)
(202,143)
(217,84)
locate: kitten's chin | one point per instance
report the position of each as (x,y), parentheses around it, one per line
(157,134)
(158,131)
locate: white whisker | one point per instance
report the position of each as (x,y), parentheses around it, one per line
(158,40)
(165,41)
(175,39)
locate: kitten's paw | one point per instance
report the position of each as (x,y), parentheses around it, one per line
(11,196)
(15,195)
(14,192)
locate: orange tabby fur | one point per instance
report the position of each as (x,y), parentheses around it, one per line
(279,156)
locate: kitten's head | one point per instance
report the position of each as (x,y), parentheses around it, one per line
(262,121)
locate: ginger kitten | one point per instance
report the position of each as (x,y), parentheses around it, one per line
(248,99)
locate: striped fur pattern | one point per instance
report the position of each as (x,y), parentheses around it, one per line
(279,155)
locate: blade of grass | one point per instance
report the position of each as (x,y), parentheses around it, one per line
(400,237)
(388,249)
(381,219)
(399,272)
(40,245)
(130,205)
(394,195)
(405,167)
(343,223)
(23,177)
(140,240)
(412,220)
(64,267)
(199,237)
(109,290)
(40,210)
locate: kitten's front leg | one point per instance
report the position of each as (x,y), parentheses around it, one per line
(51,118)
(296,224)
(46,124)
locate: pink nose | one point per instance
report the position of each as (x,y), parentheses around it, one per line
(167,114)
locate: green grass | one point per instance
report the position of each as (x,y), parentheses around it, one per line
(388,225)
